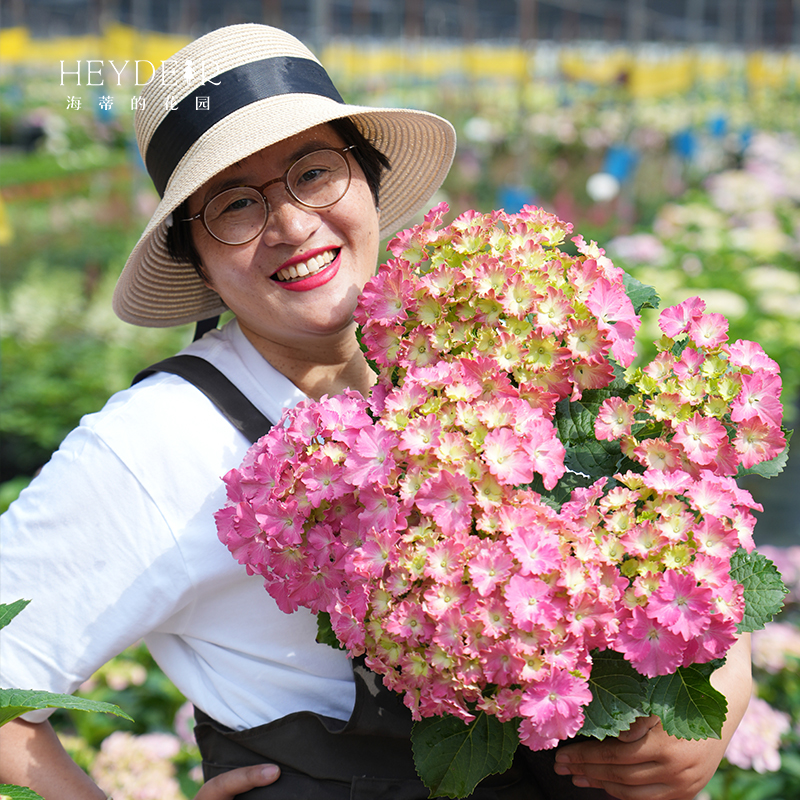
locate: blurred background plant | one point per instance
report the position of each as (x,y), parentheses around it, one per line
(682,160)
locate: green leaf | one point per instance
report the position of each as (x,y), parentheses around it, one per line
(370,363)
(10,610)
(15,702)
(640,294)
(619,695)
(452,757)
(773,467)
(584,452)
(325,634)
(8,790)
(689,706)
(763,588)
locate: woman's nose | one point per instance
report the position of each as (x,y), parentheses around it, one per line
(288,222)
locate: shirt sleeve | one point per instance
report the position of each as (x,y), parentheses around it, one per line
(89,547)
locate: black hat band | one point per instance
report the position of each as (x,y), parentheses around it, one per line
(223,94)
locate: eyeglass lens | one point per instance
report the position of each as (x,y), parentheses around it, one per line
(317,180)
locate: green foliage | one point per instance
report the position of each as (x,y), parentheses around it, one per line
(617,696)
(686,702)
(41,166)
(63,355)
(688,705)
(10,610)
(763,588)
(325,634)
(640,294)
(452,757)
(16,702)
(10,792)
(9,491)
(594,458)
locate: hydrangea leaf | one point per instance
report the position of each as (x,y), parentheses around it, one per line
(10,610)
(325,634)
(452,757)
(640,294)
(15,702)
(689,706)
(764,590)
(584,452)
(618,696)
(12,792)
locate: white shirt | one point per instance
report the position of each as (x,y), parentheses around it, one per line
(115,540)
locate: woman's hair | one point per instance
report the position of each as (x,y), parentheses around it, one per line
(371,160)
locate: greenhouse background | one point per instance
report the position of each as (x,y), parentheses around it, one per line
(666,130)
(749,23)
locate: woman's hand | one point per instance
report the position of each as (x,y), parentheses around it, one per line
(238,781)
(645,763)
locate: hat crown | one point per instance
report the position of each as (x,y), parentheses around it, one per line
(203,61)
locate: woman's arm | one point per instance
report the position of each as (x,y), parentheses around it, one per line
(31,755)
(645,763)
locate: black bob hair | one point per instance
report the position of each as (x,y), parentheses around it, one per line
(371,160)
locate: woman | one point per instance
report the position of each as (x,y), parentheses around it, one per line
(275,195)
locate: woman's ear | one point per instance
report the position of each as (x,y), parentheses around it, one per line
(204,277)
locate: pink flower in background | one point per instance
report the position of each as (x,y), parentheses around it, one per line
(138,767)
(755,743)
(777,647)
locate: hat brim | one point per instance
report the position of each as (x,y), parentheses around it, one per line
(154,290)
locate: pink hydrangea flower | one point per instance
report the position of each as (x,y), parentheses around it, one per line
(410,515)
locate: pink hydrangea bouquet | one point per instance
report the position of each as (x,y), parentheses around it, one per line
(527,537)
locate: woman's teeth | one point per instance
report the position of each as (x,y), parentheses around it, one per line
(305,268)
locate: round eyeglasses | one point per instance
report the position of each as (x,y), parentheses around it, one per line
(317,180)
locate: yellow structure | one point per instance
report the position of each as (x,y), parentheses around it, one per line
(647,74)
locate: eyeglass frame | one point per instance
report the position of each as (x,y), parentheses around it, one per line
(200,215)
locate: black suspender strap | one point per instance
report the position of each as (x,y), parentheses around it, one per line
(242,414)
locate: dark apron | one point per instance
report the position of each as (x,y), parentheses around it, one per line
(366,758)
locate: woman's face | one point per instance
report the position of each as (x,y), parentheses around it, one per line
(335,249)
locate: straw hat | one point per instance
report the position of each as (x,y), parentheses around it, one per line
(226,96)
